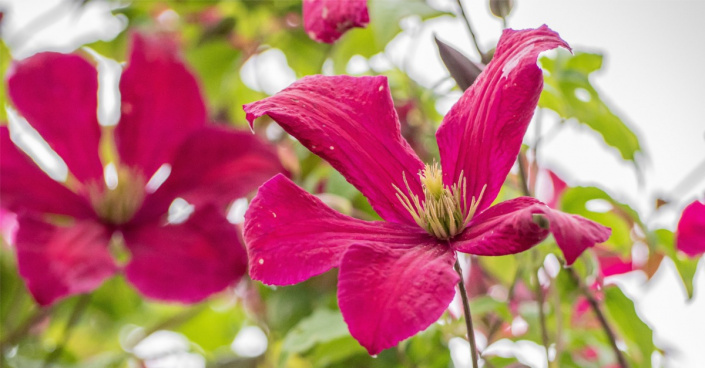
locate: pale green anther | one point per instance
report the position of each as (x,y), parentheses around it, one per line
(117,205)
(443,213)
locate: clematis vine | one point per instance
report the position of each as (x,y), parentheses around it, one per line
(66,230)
(397,276)
(327,20)
(690,234)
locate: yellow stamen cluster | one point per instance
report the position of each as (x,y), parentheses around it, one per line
(117,205)
(443,213)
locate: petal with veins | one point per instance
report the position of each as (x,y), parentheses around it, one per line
(481,135)
(291,235)
(352,124)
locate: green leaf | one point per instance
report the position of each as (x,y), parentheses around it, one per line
(504,268)
(215,62)
(321,326)
(213,328)
(568,92)
(375,37)
(390,12)
(637,334)
(621,218)
(335,351)
(685,265)
(485,304)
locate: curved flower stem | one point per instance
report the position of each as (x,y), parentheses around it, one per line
(468,316)
(595,305)
(540,299)
(472,32)
(75,316)
(24,327)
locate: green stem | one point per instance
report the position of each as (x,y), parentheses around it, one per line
(472,32)
(595,305)
(75,316)
(542,314)
(468,316)
(24,327)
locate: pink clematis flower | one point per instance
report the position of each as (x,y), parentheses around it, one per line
(64,230)
(690,235)
(327,20)
(396,276)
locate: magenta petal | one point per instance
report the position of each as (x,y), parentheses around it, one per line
(505,228)
(58,261)
(559,186)
(24,187)
(58,95)
(389,292)
(327,20)
(574,233)
(690,236)
(291,235)
(185,262)
(350,122)
(215,165)
(161,104)
(481,135)
(513,226)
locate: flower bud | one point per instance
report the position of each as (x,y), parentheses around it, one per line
(501,8)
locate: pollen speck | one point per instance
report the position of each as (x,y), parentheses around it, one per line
(381,88)
(332,148)
(261,261)
(274,214)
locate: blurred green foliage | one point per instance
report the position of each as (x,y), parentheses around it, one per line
(303,325)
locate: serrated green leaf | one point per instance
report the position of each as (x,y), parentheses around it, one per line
(568,92)
(321,326)
(637,334)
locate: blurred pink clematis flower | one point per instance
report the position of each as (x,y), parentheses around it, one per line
(396,276)
(690,234)
(327,20)
(65,230)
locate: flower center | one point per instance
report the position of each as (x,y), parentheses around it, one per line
(117,203)
(443,213)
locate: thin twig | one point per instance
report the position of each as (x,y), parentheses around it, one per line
(595,305)
(472,32)
(468,316)
(542,314)
(559,323)
(75,316)
(523,175)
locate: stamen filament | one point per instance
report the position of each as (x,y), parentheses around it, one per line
(444,211)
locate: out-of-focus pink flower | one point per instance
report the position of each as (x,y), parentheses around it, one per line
(65,230)
(690,235)
(327,20)
(8,226)
(396,276)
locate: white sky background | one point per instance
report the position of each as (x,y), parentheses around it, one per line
(653,77)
